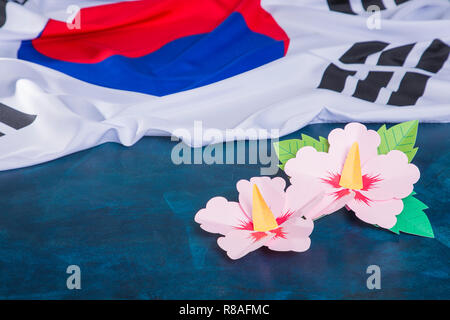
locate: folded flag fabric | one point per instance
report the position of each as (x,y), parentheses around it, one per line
(75,74)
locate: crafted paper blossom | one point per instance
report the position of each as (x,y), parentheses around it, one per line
(352,174)
(265,215)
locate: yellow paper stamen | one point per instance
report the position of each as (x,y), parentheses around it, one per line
(263,218)
(351,177)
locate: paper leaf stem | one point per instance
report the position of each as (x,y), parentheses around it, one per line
(287,149)
(399,137)
(412,219)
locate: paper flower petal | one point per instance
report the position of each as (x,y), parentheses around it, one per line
(341,141)
(220,216)
(295,236)
(330,203)
(308,165)
(394,176)
(302,198)
(238,243)
(272,191)
(382,213)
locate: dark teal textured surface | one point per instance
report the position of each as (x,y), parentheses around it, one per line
(125,216)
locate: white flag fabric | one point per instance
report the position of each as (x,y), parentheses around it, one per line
(115,71)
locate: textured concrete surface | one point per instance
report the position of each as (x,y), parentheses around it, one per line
(125,216)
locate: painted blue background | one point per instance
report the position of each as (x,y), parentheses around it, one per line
(125,216)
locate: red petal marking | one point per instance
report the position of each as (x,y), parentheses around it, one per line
(341,193)
(258,235)
(360,197)
(284,217)
(279,233)
(248,225)
(245,225)
(369,182)
(332,179)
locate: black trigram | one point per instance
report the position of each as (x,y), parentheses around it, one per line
(3,9)
(14,118)
(412,85)
(344,6)
(2,12)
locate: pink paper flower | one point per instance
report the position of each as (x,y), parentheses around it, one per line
(265,215)
(352,174)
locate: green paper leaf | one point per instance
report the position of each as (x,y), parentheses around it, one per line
(399,137)
(321,145)
(287,149)
(412,219)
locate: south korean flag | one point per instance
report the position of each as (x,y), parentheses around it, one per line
(115,71)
